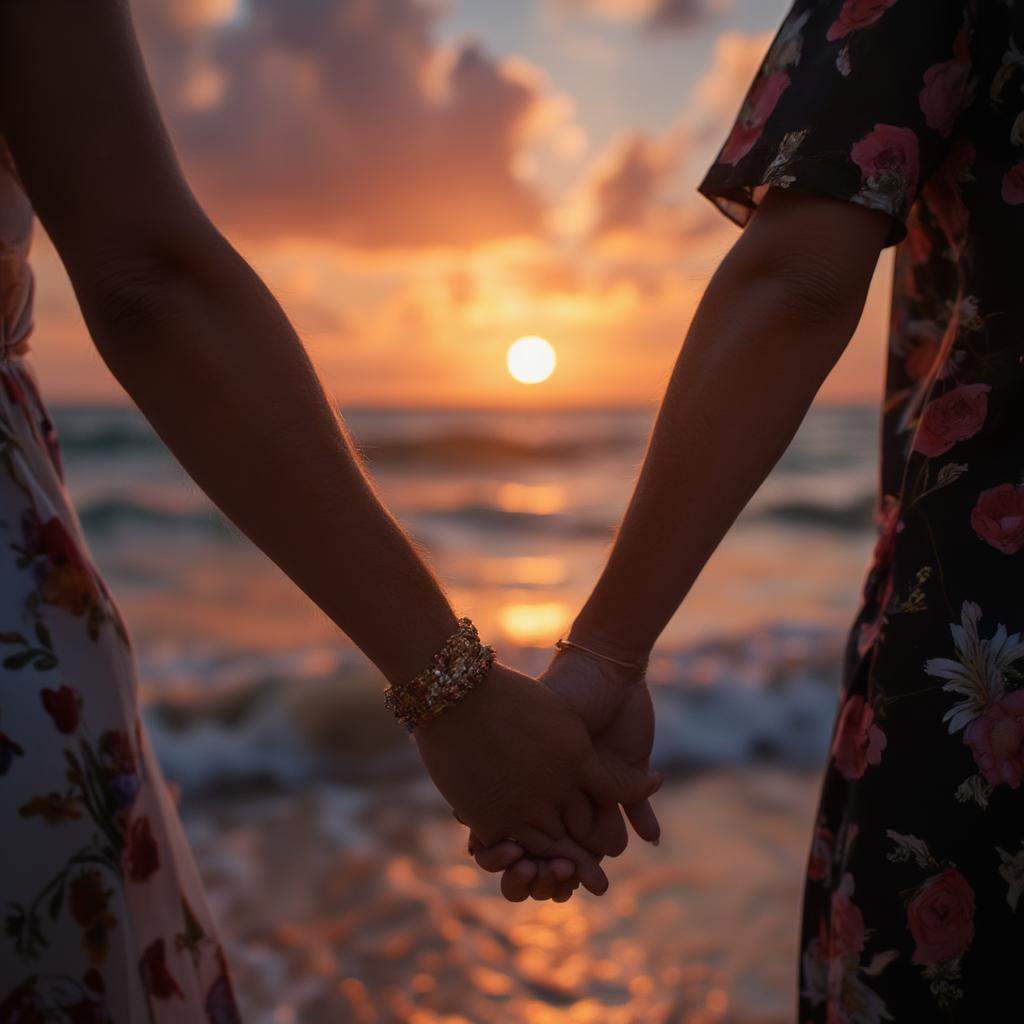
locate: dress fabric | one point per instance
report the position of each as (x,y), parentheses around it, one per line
(913,908)
(104,917)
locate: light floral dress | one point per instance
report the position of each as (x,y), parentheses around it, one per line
(104,918)
(913,908)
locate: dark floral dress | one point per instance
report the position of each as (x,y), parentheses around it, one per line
(103,915)
(914,903)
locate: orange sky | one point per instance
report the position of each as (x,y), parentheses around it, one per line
(421,185)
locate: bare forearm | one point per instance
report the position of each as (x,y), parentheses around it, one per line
(748,371)
(211,360)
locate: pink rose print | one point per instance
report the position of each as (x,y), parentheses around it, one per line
(847,933)
(87,898)
(141,854)
(998,518)
(888,519)
(64,706)
(940,916)
(117,749)
(997,740)
(89,903)
(871,631)
(857,14)
(859,742)
(955,416)
(156,976)
(822,849)
(945,87)
(757,108)
(65,578)
(889,162)
(1013,184)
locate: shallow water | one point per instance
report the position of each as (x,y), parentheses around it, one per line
(361,905)
(246,683)
(335,869)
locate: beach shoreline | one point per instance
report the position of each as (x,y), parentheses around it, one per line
(359,903)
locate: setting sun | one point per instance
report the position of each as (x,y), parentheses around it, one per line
(531,360)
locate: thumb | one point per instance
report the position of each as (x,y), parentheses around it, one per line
(610,780)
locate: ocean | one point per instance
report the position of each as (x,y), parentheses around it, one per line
(270,724)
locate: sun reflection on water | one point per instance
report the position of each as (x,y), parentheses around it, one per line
(527,570)
(536,499)
(534,625)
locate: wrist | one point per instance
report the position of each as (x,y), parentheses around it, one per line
(608,643)
(441,730)
(462,664)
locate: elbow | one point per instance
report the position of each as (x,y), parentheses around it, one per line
(136,292)
(813,293)
(813,257)
(129,299)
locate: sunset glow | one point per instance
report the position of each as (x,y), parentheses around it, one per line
(521,169)
(531,360)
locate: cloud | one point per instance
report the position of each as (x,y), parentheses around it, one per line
(627,181)
(345,119)
(719,92)
(677,13)
(656,13)
(630,205)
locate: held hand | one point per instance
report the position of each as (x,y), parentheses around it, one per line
(515,760)
(617,710)
(555,877)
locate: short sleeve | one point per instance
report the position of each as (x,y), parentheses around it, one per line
(855,99)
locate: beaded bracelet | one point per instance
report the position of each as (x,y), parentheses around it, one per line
(454,671)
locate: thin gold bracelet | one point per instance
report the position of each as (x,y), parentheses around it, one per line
(571,645)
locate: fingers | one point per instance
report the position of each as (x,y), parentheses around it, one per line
(564,892)
(609,832)
(644,821)
(609,780)
(544,882)
(566,882)
(536,879)
(516,881)
(563,872)
(579,820)
(563,869)
(536,841)
(494,859)
(588,870)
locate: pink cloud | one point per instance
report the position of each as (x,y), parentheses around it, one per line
(656,13)
(345,120)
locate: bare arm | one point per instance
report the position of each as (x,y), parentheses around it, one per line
(774,319)
(193,335)
(210,358)
(776,316)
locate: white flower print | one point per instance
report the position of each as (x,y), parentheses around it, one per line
(786,49)
(979,672)
(910,848)
(975,788)
(1012,869)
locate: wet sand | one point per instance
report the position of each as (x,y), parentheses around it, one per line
(357,904)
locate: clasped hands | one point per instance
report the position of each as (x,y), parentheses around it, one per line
(538,769)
